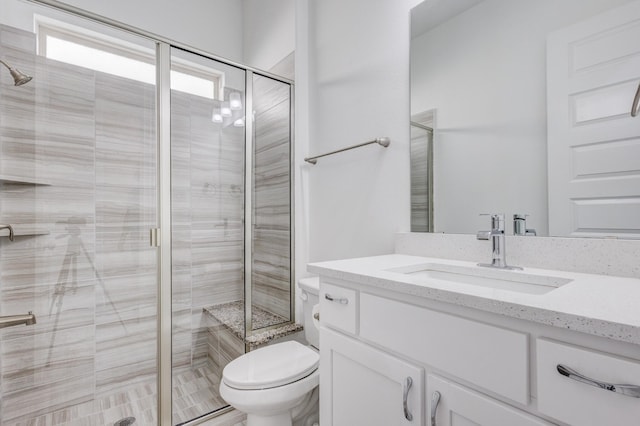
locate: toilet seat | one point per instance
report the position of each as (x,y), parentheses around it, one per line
(271,366)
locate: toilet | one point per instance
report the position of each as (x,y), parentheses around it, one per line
(277,385)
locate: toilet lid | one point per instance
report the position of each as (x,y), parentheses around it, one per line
(271,366)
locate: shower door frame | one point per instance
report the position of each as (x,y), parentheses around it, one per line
(160,236)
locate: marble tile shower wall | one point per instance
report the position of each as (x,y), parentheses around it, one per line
(88,141)
(208,233)
(272,203)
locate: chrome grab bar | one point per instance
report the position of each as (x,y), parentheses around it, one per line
(628,390)
(342,300)
(380,141)
(11,320)
(435,400)
(636,101)
(405,396)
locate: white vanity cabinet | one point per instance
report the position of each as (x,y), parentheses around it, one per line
(364,386)
(453,404)
(489,370)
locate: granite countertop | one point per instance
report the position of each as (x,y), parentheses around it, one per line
(599,305)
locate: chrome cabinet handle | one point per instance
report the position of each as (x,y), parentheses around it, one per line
(408,382)
(342,300)
(628,390)
(636,101)
(435,400)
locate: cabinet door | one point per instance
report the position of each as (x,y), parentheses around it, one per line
(459,406)
(360,385)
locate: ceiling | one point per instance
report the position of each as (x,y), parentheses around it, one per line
(431,13)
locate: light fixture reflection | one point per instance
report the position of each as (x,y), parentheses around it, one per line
(216,117)
(235,102)
(239,122)
(225,110)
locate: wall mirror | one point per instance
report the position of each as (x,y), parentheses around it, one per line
(529,102)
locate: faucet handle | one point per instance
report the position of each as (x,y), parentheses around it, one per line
(520,225)
(494,215)
(483,235)
(497,221)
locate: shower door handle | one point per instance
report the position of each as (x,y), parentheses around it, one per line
(154,237)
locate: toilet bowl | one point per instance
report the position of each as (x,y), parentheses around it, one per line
(277,385)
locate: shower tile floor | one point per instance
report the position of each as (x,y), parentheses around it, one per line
(195,392)
(233,418)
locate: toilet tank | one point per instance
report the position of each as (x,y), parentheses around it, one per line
(309,289)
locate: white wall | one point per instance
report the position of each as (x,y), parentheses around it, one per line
(358,89)
(269,32)
(485,73)
(214,26)
(303,68)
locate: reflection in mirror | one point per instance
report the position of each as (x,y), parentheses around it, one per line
(421,173)
(532,101)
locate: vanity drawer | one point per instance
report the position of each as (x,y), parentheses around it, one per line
(338,307)
(578,403)
(490,357)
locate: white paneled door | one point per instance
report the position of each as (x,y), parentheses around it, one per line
(593,71)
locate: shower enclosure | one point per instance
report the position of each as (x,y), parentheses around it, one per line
(148,191)
(421,156)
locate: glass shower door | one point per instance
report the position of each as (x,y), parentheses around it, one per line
(79,279)
(207,180)
(78,187)
(271,263)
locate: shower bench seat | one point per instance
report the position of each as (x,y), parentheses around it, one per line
(231,316)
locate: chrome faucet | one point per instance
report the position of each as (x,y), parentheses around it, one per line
(11,320)
(520,225)
(10,228)
(496,235)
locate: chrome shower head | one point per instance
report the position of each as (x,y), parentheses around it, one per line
(19,78)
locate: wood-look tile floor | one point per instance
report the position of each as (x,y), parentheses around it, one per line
(233,418)
(195,392)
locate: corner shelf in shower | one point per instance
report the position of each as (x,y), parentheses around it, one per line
(16,180)
(231,316)
(24,231)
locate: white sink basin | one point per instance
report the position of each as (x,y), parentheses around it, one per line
(481,276)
